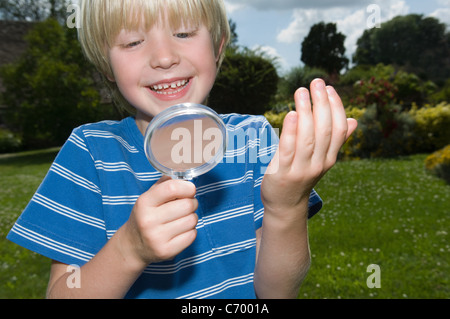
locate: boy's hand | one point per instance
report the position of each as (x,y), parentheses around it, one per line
(163,222)
(309,146)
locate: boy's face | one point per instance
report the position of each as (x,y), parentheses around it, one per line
(163,67)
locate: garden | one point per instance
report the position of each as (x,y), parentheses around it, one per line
(383,230)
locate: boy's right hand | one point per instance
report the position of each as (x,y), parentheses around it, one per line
(162,223)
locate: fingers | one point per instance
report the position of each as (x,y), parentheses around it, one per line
(321,130)
(339,124)
(164,219)
(306,139)
(167,190)
(352,126)
(287,145)
(323,121)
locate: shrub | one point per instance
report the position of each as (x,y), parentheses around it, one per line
(299,77)
(276,119)
(439,163)
(432,125)
(51,88)
(443,94)
(378,134)
(9,142)
(386,84)
(246,83)
(374,91)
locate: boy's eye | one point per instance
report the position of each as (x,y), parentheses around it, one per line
(185,35)
(133,44)
(182,35)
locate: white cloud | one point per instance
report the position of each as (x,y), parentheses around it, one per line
(444,2)
(443,15)
(271,52)
(231,6)
(295,4)
(351,21)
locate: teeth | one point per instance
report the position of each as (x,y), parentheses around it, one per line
(174,85)
(160,87)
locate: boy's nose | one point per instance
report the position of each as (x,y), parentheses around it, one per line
(163,54)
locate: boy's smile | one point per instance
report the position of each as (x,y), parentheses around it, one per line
(161,67)
(172,89)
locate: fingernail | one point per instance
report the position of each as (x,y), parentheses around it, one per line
(292,116)
(304,94)
(319,84)
(331,90)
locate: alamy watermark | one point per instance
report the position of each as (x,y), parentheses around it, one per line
(373,20)
(374,280)
(199,144)
(74,17)
(73,281)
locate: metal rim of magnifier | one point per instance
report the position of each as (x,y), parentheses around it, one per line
(184,109)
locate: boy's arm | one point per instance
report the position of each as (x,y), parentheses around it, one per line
(161,225)
(109,275)
(309,145)
(283,258)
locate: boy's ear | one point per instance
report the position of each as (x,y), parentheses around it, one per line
(221,48)
(110,77)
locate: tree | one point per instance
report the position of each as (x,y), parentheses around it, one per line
(299,77)
(324,48)
(51,88)
(246,83)
(416,43)
(32,10)
(234,36)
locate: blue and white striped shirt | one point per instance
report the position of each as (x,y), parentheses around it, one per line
(100,172)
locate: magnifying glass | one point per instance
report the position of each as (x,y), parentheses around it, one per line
(185,141)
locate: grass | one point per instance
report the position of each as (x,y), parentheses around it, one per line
(385,212)
(23,274)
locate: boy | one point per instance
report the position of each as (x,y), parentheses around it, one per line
(136,234)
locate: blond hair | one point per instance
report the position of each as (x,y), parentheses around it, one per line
(102,21)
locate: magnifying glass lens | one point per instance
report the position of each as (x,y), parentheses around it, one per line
(185,141)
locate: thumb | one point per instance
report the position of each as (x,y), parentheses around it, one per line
(352,125)
(163,179)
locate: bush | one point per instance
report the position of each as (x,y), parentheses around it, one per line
(386,134)
(439,163)
(276,119)
(443,94)
(51,88)
(246,83)
(432,125)
(385,84)
(9,142)
(374,91)
(299,77)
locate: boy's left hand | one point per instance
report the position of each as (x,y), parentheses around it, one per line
(309,146)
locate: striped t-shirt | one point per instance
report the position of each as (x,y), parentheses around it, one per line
(100,172)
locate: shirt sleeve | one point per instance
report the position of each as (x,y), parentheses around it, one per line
(64,219)
(268,140)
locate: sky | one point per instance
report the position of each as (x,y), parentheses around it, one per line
(278,27)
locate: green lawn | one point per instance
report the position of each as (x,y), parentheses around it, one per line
(384,212)
(23,274)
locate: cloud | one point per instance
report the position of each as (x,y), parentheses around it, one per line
(271,52)
(351,21)
(296,4)
(231,6)
(443,15)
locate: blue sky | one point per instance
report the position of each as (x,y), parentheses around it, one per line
(279,26)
